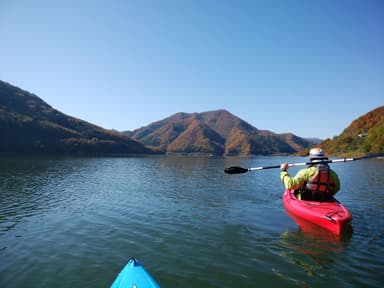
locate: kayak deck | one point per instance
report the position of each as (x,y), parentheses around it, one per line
(134,275)
(332,215)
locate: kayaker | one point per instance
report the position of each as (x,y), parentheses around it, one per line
(317,182)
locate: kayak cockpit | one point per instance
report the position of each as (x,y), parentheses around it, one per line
(314,196)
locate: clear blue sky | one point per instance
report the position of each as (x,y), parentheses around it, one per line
(309,67)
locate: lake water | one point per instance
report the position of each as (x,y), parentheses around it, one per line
(74,222)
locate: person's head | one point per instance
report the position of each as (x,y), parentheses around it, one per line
(316,154)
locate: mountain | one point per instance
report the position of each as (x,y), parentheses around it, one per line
(215,132)
(364,135)
(28,125)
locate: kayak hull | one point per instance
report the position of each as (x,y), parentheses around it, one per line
(332,216)
(134,275)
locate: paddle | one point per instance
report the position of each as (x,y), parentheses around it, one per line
(240,170)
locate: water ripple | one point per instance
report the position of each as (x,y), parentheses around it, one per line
(190,224)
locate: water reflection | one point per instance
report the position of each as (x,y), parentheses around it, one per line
(311,248)
(194,225)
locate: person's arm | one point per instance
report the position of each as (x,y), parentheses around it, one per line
(298,180)
(336,180)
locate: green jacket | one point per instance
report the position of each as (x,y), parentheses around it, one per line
(299,180)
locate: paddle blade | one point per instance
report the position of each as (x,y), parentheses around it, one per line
(235,170)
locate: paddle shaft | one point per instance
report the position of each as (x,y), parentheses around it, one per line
(239,170)
(304,164)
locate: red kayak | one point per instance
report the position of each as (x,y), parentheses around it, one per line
(331,215)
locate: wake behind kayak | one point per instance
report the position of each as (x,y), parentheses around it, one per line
(134,275)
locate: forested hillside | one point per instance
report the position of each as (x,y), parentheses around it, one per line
(215,132)
(28,125)
(363,136)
